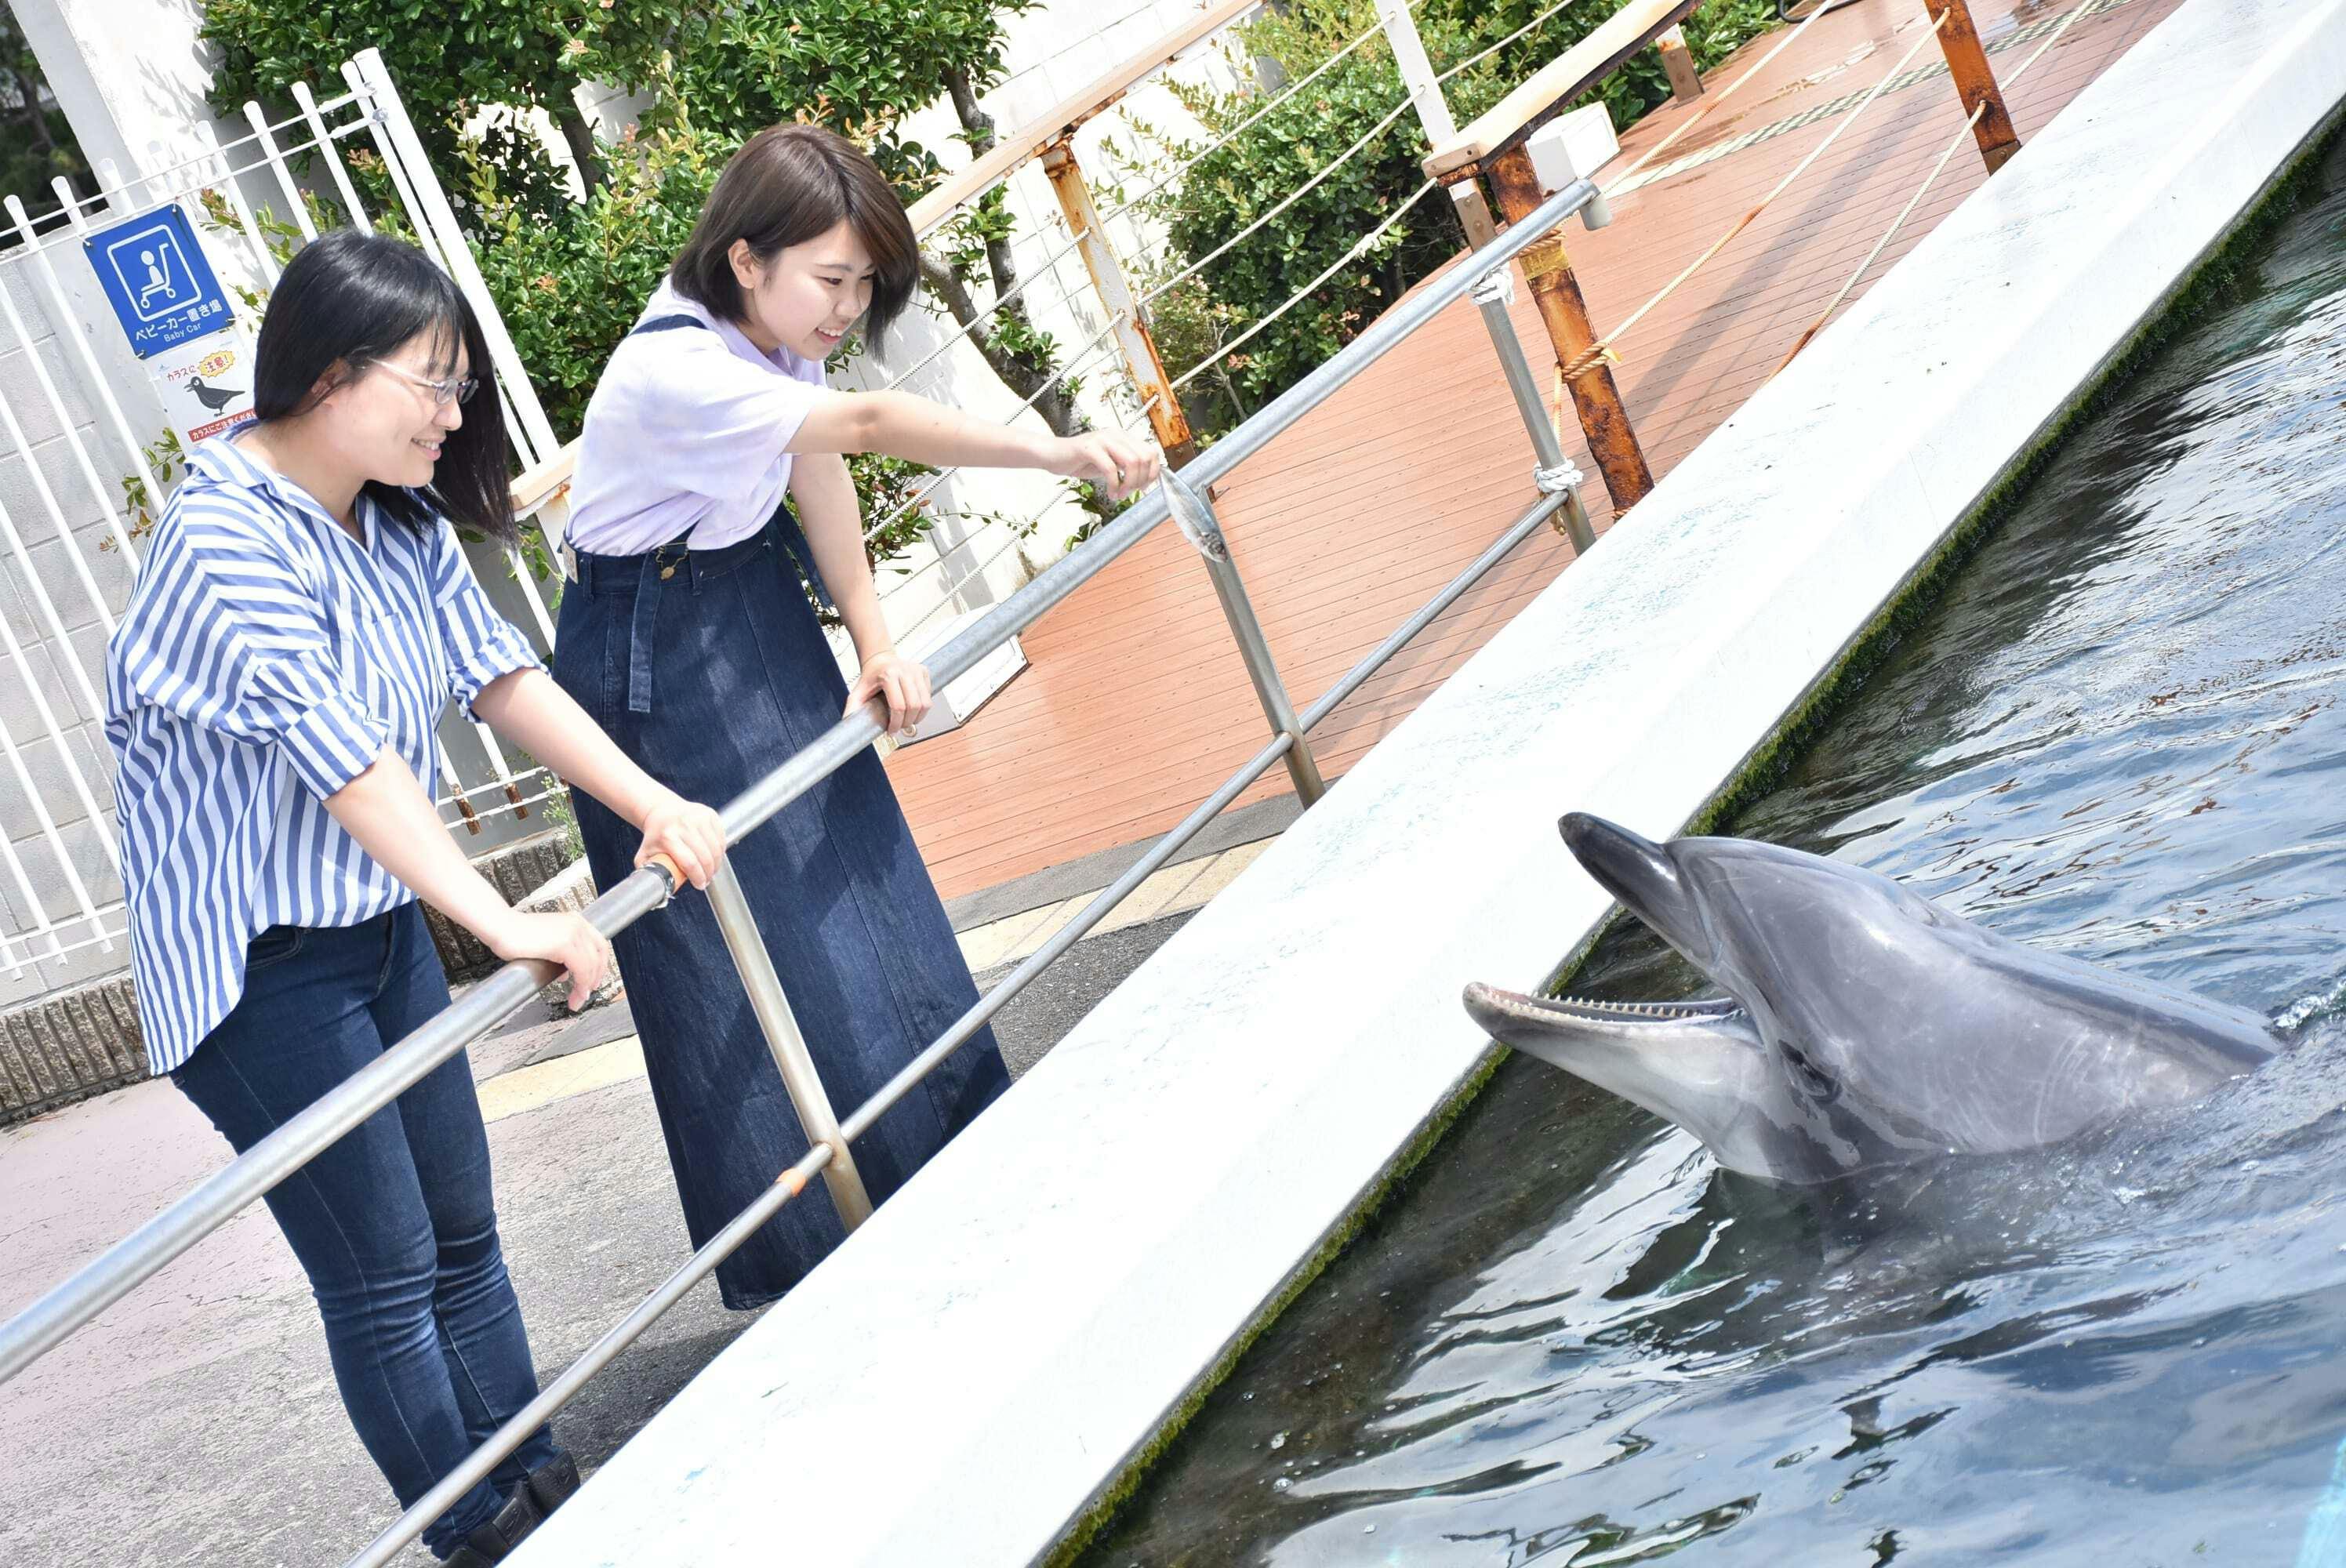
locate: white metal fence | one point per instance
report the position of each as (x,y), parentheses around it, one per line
(85,458)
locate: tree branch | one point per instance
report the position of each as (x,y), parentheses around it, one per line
(580,136)
(1019,374)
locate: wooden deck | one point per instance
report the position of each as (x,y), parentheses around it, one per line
(1136,707)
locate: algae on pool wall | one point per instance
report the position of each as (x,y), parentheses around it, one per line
(1209,1475)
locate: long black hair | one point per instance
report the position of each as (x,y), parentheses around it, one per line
(348,299)
(788,185)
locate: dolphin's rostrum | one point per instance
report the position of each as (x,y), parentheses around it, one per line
(1863,1025)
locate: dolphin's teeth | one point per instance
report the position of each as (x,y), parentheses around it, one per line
(1656,1010)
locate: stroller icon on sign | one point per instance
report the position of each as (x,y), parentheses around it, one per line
(157,279)
(151,270)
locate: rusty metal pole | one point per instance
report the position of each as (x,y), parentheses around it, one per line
(1115,290)
(1595,396)
(1967,62)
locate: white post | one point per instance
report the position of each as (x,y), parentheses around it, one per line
(308,103)
(434,211)
(267,141)
(1433,112)
(262,260)
(1416,71)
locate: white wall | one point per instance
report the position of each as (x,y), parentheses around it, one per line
(1053,54)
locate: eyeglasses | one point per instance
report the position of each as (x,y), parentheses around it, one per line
(456,389)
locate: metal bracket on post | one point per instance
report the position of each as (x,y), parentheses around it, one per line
(773,1007)
(1595,397)
(1194,517)
(1677,65)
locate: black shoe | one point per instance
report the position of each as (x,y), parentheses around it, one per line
(551,1484)
(490,1542)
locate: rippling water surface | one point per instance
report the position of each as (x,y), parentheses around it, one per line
(1572,1340)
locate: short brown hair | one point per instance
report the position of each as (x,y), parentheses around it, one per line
(788,185)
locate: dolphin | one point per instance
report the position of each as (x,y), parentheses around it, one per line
(1863,1026)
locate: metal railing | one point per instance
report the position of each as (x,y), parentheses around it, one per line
(66,1309)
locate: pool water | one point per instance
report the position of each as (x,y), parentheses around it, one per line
(1572,1340)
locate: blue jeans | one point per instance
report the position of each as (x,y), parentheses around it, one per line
(394,1224)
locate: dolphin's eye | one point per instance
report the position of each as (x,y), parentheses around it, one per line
(1810,1079)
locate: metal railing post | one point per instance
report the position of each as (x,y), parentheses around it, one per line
(767,1000)
(1967,63)
(1554,471)
(1195,516)
(1595,396)
(1123,306)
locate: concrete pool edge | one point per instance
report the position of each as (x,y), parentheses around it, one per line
(982,1364)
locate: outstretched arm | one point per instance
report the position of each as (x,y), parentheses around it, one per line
(394,820)
(920,430)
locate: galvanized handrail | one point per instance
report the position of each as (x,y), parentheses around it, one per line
(40,1327)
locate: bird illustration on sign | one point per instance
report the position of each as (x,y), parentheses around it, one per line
(213,398)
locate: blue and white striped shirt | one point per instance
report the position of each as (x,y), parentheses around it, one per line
(266,659)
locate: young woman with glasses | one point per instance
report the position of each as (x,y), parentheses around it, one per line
(304,615)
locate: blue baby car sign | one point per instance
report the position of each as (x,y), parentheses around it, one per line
(156,278)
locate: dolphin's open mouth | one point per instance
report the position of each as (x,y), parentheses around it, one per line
(1588,1010)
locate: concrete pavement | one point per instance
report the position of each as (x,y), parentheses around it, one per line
(197,1421)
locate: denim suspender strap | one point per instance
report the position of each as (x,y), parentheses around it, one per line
(658,568)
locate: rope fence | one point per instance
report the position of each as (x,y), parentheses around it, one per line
(1549,252)
(1954,146)
(1085,354)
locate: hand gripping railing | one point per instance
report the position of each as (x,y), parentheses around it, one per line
(106,1279)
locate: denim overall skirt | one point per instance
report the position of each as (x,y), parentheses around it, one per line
(709,669)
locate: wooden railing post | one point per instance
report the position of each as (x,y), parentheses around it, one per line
(1677,64)
(1595,396)
(1123,306)
(1967,62)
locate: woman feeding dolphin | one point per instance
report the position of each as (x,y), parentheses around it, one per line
(712,477)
